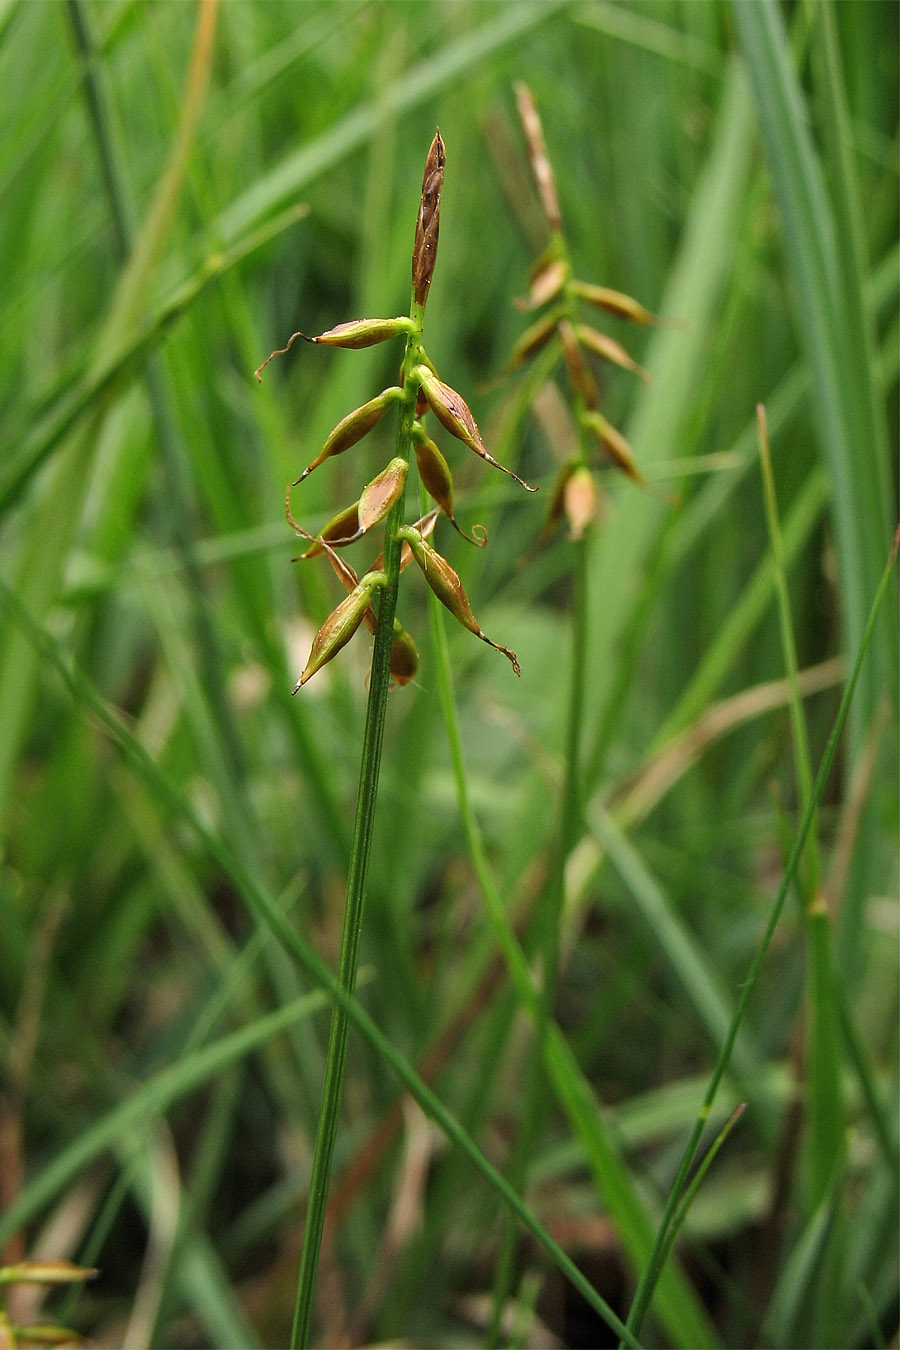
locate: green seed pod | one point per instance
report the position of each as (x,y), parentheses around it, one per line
(428,221)
(364,332)
(341,624)
(349,579)
(353,427)
(438,483)
(615,445)
(452,411)
(614,302)
(379,496)
(356,333)
(449,589)
(404,656)
(609,350)
(534,338)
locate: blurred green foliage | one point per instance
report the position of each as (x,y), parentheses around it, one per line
(735,168)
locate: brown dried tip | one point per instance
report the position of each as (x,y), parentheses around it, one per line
(537,150)
(428,222)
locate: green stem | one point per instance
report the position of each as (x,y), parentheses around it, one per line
(373,738)
(550,924)
(653,1269)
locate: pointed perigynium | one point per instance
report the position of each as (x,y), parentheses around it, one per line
(428,222)
(553,285)
(543,173)
(448,588)
(452,411)
(419,383)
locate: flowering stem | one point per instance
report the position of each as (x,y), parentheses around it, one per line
(373,738)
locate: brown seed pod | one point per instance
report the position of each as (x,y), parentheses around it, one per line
(353,427)
(609,350)
(452,411)
(580,501)
(614,302)
(438,482)
(428,221)
(579,375)
(534,338)
(404,656)
(615,445)
(448,588)
(550,275)
(537,150)
(341,529)
(380,495)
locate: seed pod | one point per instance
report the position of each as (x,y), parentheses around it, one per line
(424,527)
(614,302)
(404,656)
(452,411)
(341,624)
(356,333)
(428,222)
(537,151)
(364,332)
(579,375)
(615,445)
(580,500)
(349,579)
(558,499)
(534,338)
(610,351)
(449,590)
(550,275)
(353,427)
(380,495)
(438,483)
(341,529)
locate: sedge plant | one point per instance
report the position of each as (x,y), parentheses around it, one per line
(371,601)
(558,297)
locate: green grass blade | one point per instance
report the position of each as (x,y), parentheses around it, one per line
(843,395)
(677,1305)
(265,908)
(651,1273)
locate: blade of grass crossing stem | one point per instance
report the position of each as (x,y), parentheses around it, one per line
(826,1102)
(261,904)
(652,1272)
(677,1306)
(843,395)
